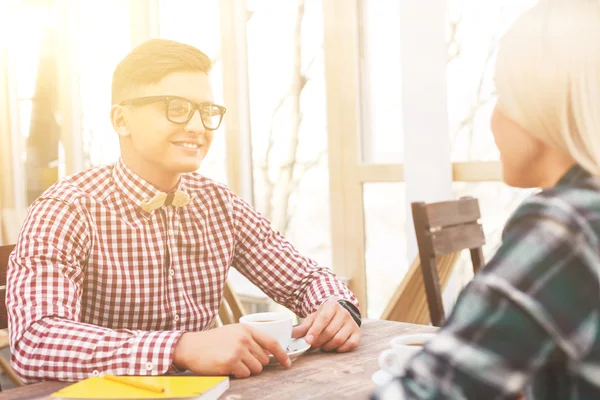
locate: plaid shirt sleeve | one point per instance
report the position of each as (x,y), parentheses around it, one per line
(44,278)
(269,261)
(530,301)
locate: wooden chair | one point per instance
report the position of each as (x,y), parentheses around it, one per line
(4,364)
(409,301)
(231,309)
(445,228)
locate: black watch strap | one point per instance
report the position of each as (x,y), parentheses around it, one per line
(354,312)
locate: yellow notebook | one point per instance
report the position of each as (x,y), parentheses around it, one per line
(175,387)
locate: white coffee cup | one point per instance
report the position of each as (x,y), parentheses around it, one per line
(276,324)
(403,348)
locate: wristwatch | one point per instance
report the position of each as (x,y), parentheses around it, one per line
(354,312)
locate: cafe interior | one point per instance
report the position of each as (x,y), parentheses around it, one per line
(354,126)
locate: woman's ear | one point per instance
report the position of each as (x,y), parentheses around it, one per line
(118,117)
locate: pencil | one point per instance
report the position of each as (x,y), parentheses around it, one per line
(136,384)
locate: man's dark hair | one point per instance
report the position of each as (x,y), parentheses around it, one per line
(151,61)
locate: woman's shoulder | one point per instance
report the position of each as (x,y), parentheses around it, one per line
(574,207)
(580,197)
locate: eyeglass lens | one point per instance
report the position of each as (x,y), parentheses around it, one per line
(180,111)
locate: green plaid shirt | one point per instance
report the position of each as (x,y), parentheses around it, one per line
(529,321)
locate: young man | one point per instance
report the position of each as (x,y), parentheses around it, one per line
(120,269)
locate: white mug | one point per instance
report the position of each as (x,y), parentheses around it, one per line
(403,348)
(276,324)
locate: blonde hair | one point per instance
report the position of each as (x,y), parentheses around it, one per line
(548,77)
(151,61)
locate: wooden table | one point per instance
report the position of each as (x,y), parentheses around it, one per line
(315,375)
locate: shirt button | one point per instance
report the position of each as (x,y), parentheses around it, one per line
(149,366)
(171,272)
(95,372)
(176,318)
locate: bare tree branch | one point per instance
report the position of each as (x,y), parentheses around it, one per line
(309,68)
(454,48)
(481,98)
(298,83)
(294,184)
(468,121)
(294,90)
(270,185)
(481,102)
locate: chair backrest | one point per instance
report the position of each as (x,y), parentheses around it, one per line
(231,309)
(445,228)
(409,301)
(4,253)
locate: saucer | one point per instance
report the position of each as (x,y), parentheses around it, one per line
(295,349)
(381,377)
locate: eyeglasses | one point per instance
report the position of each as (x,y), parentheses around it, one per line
(179,110)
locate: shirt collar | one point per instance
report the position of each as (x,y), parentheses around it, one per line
(135,188)
(575,174)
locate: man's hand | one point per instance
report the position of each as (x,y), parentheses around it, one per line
(238,350)
(330,328)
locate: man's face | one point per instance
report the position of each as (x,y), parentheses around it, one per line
(162,145)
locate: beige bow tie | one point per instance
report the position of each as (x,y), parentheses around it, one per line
(177,199)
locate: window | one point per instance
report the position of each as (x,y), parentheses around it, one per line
(177,17)
(385,227)
(98,55)
(287,112)
(32,62)
(474,30)
(383,140)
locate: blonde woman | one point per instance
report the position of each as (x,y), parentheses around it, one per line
(530,321)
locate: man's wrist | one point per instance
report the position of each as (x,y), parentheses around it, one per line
(178,361)
(351,308)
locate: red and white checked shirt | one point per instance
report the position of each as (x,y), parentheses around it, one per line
(97,285)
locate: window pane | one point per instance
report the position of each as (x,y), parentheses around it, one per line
(28,24)
(385,234)
(98,57)
(474,28)
(24,108)
(381,82)
(176,18)
(287,106)
(31,59)
(195,22)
